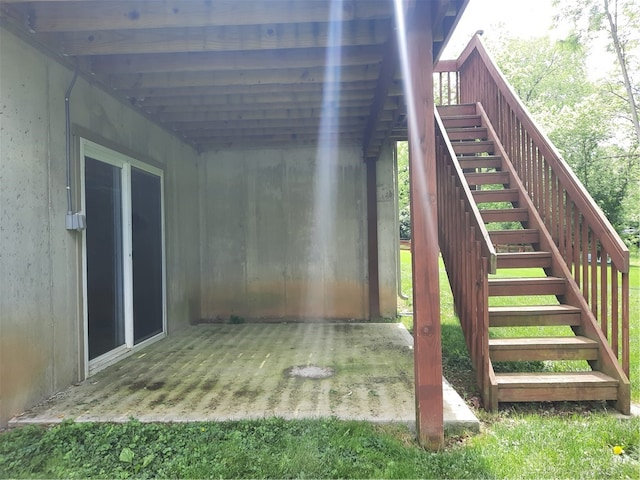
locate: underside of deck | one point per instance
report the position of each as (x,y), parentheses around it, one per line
(231,372)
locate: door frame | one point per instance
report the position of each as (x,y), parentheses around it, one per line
(124,162)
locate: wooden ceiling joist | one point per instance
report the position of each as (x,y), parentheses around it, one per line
(88,15)
(265,101)
(219,39)
(282,77)
(284,113)
(192,128)
(248,107)
(230,61)
(232,90)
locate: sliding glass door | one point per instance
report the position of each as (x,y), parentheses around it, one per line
(105,294)
(123,254)
(146,230)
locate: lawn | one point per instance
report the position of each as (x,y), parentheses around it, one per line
(528,441)
(512,446)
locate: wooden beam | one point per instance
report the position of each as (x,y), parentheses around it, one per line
(242,89)
(129,15)
(283,97)
(424,226)
(372,240)
(286,124)
(385,80)
(281,137)
(231,61)
(261,115)
(223,38)
(246,107)
(323,107)
(281,77)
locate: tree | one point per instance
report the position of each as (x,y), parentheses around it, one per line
(544,74)
(620,21)
(580,117)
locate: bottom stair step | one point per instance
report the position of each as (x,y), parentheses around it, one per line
(523,349)
(553,387)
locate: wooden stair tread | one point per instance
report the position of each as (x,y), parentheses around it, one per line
(525,235)
(463,120)
(526,280)
(487,161)
(526,286)
(487,178)
(523,259)
(457,109)
(505,215)
(529,309)
(518,342)
(525,349)
(553,386)
(545,379)
(538,315)
(471,147)
(502,195)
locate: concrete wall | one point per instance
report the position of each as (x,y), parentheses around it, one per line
(388,231)
(40,289)
(284,234)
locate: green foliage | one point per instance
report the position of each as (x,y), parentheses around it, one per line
(403,190)
(544,74)
(512,446)
(405,223)
(580,118)
(236,320)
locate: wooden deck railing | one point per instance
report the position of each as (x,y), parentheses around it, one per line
(461,228)
(591,248)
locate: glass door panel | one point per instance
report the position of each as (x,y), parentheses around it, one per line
(146,236)
(105,305)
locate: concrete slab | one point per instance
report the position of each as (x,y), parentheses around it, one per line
(230,372)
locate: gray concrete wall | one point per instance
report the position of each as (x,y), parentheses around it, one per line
(269,248)
(388,232)
(40,289)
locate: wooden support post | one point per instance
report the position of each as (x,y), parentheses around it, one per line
(424,223)
(372,237)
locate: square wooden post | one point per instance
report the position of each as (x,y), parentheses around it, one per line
(424,225)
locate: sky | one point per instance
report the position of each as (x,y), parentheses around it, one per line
(521,18)
(516,18)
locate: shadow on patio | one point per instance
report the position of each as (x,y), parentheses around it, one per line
(229,372)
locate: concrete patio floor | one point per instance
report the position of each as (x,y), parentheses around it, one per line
(230,372)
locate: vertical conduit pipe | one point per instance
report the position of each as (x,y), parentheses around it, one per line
(69,220)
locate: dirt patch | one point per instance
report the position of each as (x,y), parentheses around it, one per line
(309,371)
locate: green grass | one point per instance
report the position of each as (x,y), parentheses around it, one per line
(514,446)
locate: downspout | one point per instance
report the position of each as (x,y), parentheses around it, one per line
(73,221)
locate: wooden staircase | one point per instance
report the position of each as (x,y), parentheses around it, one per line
(574,362)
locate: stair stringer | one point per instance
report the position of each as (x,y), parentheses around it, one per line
(607,361)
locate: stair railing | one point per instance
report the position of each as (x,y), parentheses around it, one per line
(468,254)
(590,246)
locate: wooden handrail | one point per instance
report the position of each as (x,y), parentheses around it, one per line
(468,254)
(584,237)
(487,247)
(598,222)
